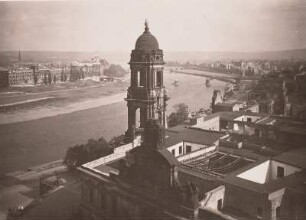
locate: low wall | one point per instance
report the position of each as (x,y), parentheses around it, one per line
(196,153)
(119,152)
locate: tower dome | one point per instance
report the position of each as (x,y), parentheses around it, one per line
(146,41)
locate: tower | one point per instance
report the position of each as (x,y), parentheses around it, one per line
(146,92)
(19,56)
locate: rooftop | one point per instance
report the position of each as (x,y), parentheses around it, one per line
(219,163)
(294,157)
(292,129)
(289,181)
(146,41)
(181,133)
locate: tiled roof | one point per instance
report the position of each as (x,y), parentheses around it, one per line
(211,116)
(296,180)
(292,129)
(193,135)
(294,157)
(287,182)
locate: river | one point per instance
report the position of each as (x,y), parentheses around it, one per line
(30,143)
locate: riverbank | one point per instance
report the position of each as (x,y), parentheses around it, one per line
(44,112)
(59,99)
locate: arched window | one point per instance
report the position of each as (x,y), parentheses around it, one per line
(158,79)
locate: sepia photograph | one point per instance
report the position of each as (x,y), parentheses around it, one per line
(153,110)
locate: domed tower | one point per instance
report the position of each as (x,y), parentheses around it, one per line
(146,92)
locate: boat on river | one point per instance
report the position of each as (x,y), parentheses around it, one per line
(175,83)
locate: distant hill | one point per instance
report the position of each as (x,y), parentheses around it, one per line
(60,56)
(123,58)
(298,54)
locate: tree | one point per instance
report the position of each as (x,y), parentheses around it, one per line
(93,149)
(49,78)
(179,116)
(115,71)
(117,141)
(35,78)
(45,79)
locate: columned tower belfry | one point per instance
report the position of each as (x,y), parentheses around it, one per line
(146,92)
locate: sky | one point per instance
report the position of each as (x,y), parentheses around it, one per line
(179,25)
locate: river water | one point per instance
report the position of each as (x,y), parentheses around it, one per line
(43,140)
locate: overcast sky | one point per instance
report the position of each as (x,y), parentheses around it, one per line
(189,25)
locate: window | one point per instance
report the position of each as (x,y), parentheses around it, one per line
(102,200)
(259,212)
(158,79)
(249,120)
(173,152)
(180,150)
(142,79)
(188,149)
(114,205)
(219,204)
(278,212)
(256,132)
(90,194)
(280,172)
(236,127)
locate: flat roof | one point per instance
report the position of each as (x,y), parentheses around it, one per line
(229,116)
(219,163)
(106,169)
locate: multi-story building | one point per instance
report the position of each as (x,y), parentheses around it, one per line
(81,70)
(21,76)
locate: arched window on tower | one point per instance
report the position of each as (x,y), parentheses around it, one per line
(140,79)
(158,79)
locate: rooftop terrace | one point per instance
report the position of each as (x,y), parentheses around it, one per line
(218,163)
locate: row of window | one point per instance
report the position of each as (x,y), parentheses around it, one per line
(180,150)
(94,197)
(141,79)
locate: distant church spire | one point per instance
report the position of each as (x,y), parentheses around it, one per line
(146,26)
(19,56)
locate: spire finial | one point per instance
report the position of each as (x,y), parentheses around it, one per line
(146,26)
